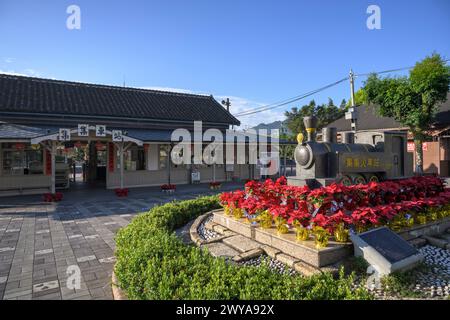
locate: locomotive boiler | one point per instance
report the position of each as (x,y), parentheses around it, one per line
(359,158)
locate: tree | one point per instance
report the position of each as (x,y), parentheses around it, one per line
(360,98)
(412,100)
(325,113)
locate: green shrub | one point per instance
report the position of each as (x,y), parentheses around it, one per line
(153,263)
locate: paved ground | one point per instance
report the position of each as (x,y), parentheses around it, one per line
(41,245)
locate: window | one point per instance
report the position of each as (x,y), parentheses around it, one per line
(134,159)
(163,155)
(20,159)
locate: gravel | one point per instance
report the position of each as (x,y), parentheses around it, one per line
(274,265)
(205,233)
(436,281)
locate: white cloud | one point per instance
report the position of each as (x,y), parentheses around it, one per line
(25,73)
(169,89)
(240,104)
(9,60)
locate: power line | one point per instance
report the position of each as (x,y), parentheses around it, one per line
(310,93)
(388,71)
(290,100)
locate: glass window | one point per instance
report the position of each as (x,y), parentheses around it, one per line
(134,159)
(163,156)
(20,159)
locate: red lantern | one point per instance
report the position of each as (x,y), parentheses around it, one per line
(146,146)
(99,146)
(19,146)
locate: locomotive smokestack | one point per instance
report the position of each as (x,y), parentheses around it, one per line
(310,126)
(329,135)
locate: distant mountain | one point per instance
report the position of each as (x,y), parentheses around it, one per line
(280,125)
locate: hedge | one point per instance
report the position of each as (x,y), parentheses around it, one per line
(153,263)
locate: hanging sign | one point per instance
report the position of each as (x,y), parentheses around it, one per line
(100,130)
(111,157)
(117,136)
(83,130)
(410,147)
(48,163)
(64,135)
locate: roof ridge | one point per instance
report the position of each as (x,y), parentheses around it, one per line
(105,86)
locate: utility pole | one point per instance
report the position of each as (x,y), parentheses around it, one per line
(227,104)
(351,114)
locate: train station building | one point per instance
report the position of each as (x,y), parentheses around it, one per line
(121,135)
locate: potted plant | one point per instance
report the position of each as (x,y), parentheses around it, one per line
(215,185)
(169,188)
(121,192)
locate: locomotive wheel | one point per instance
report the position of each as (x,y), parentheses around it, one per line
(358,179)
(372,178)
(345,180)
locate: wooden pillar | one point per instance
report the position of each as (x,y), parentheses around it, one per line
(53,156)
(121,164)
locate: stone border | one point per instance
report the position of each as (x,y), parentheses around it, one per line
(287,244)
(195,237)
(298,265)
(117,292)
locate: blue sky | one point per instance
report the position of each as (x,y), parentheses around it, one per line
(254,51)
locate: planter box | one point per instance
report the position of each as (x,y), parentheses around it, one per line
(305,251)
(429,229)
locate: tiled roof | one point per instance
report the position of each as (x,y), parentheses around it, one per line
(368,119)
(45,96)
(15,131)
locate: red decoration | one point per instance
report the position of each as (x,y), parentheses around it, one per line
(48,163)
(78,144)
(146,146)
(99,146)
(19,146)
(111,157)
(53,197)
(121,192)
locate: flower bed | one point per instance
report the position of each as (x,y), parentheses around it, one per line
(338,209)
(152,263)
(168,188)
(53,197)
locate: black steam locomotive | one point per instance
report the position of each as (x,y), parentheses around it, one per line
(359,158)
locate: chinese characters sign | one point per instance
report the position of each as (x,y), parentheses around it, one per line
(363,162)
(117,136)
(100,130)
(64,135)
(83,130)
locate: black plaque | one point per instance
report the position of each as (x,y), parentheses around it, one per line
(389,244)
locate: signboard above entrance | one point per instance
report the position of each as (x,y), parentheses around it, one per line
(100,130)
(83,130)
(64,135)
